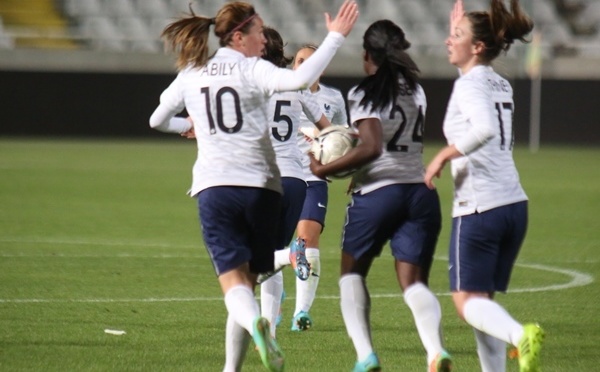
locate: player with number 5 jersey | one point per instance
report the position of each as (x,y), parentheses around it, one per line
(285,111)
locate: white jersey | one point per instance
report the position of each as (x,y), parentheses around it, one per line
(479,122)
(402,124)
(227,101)
(333,106)
(285,110)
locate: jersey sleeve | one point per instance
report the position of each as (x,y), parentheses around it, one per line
(358,111)
(475,102)
(273,79)
(310,106)
(340,117)
(171,103)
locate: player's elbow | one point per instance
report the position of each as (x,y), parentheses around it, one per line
(486,134)
(372,152)
(155,122)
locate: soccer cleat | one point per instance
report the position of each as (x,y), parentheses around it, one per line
(441,363)
(529,348)
(280,314)
(369,364)
(270,353)
(298,259)
(301,322)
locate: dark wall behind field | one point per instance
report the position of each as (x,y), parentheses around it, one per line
(108,104)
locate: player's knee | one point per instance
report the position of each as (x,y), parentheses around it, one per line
(311,237)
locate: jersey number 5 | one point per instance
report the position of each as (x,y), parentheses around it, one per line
(278,117)
(219,98)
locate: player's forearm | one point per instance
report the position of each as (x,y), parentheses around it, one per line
(163,120)
(314,66)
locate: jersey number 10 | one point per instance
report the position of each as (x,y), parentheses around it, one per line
(219,98)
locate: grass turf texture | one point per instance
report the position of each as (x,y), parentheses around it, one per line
(100,234)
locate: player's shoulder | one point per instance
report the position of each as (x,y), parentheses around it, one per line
(355,94)
(475,80)
(330,91)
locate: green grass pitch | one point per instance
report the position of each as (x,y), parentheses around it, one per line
(99,235)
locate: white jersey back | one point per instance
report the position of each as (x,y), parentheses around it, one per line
(487,177)
(333,106)
(228,106)
(285,110)
(402,123)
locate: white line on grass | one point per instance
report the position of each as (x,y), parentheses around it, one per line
(112,243)
(144,244)
(578,279)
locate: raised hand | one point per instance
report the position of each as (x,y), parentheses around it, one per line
(345,19)
(458,11)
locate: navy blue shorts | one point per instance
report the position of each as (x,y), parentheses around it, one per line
(240,224)
(484,247)
(408,215)
(315,203)
(294,193)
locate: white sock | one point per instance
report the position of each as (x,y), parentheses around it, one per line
(306,290)
(270,299)
(491,351)
(491,318)
(427,313)
(237,340)
(282,258)
(356,306)
(242,306)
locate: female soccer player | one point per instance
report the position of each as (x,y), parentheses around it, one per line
(490,206)
(390,201)
(312,219)
(235,178)
(285,109)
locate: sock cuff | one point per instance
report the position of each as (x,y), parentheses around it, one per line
(415,288)
(350,277)
(312,252)
(473,305)
(238,288)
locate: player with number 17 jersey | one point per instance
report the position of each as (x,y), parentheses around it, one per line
(488,177)
(401,160)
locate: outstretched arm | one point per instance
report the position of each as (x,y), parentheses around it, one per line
(282,79)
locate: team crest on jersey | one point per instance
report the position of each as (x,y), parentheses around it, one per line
(327,108)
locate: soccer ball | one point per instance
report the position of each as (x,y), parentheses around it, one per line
(332,143)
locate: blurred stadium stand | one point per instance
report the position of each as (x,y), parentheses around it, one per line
(98,66)
(123,35)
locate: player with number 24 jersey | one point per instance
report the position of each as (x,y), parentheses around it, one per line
(401,160)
